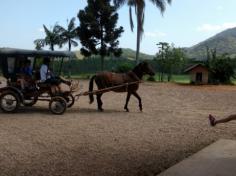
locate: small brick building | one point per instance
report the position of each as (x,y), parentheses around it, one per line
(199,74)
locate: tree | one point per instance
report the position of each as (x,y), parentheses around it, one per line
(176,60)
(221,67)
(38,46)
(52,38)
(68,35)
(170,60)
(139,6)
(97,31)
(161,57)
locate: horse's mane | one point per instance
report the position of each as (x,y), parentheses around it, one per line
(138,71)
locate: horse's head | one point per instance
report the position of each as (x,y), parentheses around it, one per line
(146,68)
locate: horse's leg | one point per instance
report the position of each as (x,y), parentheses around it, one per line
(139,99)
(99,101)
(127,101)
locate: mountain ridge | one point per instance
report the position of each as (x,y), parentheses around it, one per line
(126,53)
(223,42)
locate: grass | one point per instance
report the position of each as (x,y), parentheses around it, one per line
(81,76)
(184,79)
(234,81)
(181,79)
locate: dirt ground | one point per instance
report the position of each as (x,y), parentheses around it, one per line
(84,142)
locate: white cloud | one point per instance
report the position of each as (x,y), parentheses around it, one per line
(213,28)
(155,34)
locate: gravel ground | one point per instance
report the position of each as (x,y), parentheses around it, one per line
(84,142)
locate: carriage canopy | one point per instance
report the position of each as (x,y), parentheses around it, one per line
(11,59)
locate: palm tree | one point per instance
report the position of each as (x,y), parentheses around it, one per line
(67,35)
(52,38)
(139,6)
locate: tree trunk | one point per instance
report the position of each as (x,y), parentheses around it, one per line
(52,47)
(70,61)
(169,77)
(162,76)
(102,63)
(69,43)
(138,45)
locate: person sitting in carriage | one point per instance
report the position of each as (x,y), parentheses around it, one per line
(25,74)
(47,76)
(27,69)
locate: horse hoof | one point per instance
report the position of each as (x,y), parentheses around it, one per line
(126,109)
(101,110)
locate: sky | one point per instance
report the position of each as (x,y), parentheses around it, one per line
(184,23)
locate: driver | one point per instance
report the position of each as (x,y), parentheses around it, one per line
(47,76)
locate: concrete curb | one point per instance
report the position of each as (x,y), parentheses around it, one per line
(218,159)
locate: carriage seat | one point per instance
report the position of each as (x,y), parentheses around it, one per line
(43,85)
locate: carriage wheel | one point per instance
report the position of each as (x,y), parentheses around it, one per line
(9,102)
(57,105)
(70,101)
(31,102)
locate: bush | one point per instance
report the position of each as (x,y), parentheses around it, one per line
(221,70)
(124,67)
(151,79)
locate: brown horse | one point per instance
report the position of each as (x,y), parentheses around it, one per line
(109,79)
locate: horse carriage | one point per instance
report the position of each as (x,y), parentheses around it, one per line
(12,96)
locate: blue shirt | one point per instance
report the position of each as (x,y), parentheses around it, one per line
(27,71)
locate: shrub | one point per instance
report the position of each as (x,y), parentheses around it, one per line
(151,79)
(124,67)
(221,70)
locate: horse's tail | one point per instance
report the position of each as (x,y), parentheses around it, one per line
(91,98)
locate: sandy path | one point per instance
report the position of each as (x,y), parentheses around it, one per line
(85,142)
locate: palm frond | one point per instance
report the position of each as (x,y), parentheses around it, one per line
(47,31)
(71,25)
(59,29)
(140,19)
(131,19)
(74,43)
(161,4)
(40,42)
(119,3)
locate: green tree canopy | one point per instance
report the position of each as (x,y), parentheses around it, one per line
(52,38)
(221,67)
(68,35)
(170,60)
(98,31)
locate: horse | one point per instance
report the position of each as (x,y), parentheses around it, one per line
(130,80)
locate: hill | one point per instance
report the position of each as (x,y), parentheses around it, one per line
(131,54)
(127,53)
(224,42)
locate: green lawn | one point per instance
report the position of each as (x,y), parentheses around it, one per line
(234,81)
(181,79)
(82,76)
(184,79)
